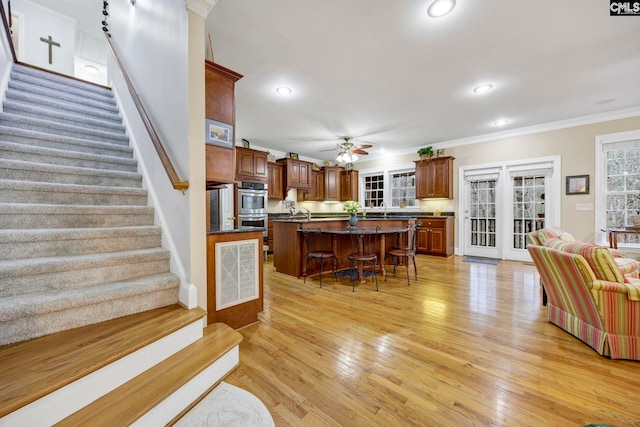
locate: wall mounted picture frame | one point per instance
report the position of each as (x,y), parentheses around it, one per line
(218,133)
(293,156)
(577,184)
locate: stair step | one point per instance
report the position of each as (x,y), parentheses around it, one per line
(25,109)
(33,369)
(53,92)
(18,244)
(47,140)
(45,78)
(62,273)
(15,170)
(67,85)
(136,399)
(70,194)
(54,156)
(62,105)
(62,129)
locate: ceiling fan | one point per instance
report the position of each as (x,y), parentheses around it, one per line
(348,150)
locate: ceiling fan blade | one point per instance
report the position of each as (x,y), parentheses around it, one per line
(363,146)
(359,151)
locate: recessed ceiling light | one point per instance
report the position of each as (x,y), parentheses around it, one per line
(284,90)
(483,88)
(500,122)
(440,8)
(92,69)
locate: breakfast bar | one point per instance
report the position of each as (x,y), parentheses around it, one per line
(289,255)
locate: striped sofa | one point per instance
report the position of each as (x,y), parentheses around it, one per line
(605,314)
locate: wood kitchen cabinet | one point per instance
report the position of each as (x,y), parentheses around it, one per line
(434,178)
(349,185)
(297,174)
(251,165)
(275,187)
(220,106)
(220,164)
(435,236)
(315,193)
(332,183)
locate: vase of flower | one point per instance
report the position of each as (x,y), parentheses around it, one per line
(352,208)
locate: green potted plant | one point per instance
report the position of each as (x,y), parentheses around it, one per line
(426,152)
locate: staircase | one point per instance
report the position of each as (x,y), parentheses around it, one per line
(90,329)
(77,240)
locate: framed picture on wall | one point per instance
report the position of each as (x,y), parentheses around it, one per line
(578,184)
(218,133)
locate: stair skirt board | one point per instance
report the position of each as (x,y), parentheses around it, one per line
(192,392)
(55,406)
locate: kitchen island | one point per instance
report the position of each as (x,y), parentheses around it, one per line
(289,255)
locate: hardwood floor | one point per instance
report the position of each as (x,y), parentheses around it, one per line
(465,345)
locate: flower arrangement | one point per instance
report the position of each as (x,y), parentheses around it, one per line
(352,207)
(425,152)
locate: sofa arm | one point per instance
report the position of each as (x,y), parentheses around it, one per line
(631,289)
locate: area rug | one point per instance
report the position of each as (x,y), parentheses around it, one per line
(228,406)
(480,260)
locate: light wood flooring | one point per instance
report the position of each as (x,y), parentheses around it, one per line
(465,345)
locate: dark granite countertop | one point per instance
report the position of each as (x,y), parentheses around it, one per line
(238,230)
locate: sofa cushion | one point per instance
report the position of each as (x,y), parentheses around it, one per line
(598,257)
(539,237)
(628,267)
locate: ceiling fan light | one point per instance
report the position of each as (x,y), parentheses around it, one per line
(440,8)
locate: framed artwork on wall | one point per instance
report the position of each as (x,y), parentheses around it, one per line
(577,184)
(218,133)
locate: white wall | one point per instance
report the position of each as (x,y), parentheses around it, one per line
(153,41)
(575,145)
(39,21)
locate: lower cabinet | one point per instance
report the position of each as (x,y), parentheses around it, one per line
(435,237)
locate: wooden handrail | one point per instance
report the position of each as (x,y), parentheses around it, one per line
(177,183)
(7,29)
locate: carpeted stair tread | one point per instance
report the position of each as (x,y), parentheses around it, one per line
(61,105)
(53,127)
(22,108)
(13,191)
(74,87)
(130,401)
(12,307)
(23,72)
(24,215)
(107,104)
(51,242)
(34,154)
(40,275)
(30,374)
(32,316)
(42,139)
(63,169)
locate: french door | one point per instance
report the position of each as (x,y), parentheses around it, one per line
(502,203)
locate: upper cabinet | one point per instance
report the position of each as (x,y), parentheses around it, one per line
(332,183)
(434,178)
(349,185)
(275,187)
(297,174)
(220,105)
(251,165)
(315,193)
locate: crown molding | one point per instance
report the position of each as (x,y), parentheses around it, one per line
(201,7)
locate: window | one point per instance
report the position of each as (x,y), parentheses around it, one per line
(403,189)
(373,190)
(617,185)
(622,191)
